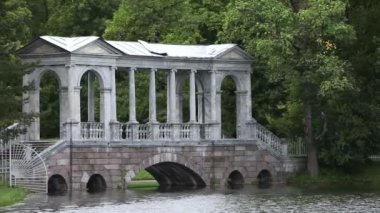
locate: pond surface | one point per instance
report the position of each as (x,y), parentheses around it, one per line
(248,199)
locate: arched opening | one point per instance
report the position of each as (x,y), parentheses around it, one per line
(184,105)
(228,108)
(161,96)
(57,185)
(183,99)
(235,180)
(96,183)
(142,96)
(122,95)
(174,176)
(49,106)
(90,102)
(264,179)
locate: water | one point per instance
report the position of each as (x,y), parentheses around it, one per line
(248,199)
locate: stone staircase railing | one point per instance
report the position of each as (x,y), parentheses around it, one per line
(267,139)
(21,165)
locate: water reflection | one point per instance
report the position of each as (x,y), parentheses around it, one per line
(248,199)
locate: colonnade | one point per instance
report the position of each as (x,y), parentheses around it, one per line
(172,115)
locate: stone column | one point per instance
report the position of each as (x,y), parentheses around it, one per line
(105,111)
(63,109)
(90,98)
(192,97)
(168,98)
(132,98)
(34,104)
(200,107)
(113,115)
(172,92)
(213,95)
(152,96)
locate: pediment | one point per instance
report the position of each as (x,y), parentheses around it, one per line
(98,47)
(40,47)
(235,53)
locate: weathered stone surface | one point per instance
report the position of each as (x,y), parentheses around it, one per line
(118,165)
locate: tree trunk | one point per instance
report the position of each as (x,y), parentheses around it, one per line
(311,148)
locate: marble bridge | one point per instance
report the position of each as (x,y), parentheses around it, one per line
(94,155)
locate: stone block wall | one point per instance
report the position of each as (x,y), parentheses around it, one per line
(119,164)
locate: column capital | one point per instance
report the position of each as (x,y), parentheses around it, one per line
(173,70)
(193,71)
(112,68)
(213,71)
(133,68)
(153,69)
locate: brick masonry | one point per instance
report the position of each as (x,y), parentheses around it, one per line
(213,163)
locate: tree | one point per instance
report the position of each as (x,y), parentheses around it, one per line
(297,42)
(13,33)
(77,18)
(148,20)
(173,21)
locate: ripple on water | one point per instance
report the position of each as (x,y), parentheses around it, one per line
(249,199)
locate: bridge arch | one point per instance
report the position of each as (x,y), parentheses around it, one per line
(264,178)
(96,183)
(102,177)
(265,175)
(241,170)
(57,185)
(169,169)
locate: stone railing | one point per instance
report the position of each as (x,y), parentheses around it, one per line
(165,131)
(155,131)
(92,131)
(267,139)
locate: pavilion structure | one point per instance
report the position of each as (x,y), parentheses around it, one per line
(203,67)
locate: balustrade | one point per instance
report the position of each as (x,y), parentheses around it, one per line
(165,131)
(92,130)
(184,132)
(181,132)
(156,131)
(267,138)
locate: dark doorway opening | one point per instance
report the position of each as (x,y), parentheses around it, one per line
(235,180)
(57,185)
(96,183)
(264,179)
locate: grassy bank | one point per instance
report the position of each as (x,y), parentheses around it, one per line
(10,196)
(143,180)
(367,176)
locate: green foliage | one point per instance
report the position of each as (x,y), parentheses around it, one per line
(80,17)
(228,102)
(185,21)
(49,106)
(367,177)
(299,53)
(13,33)
(305,54)
(10,196)
(148,20)
(143,185)
(143,175)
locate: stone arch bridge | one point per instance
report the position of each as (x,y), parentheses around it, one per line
(176,152)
